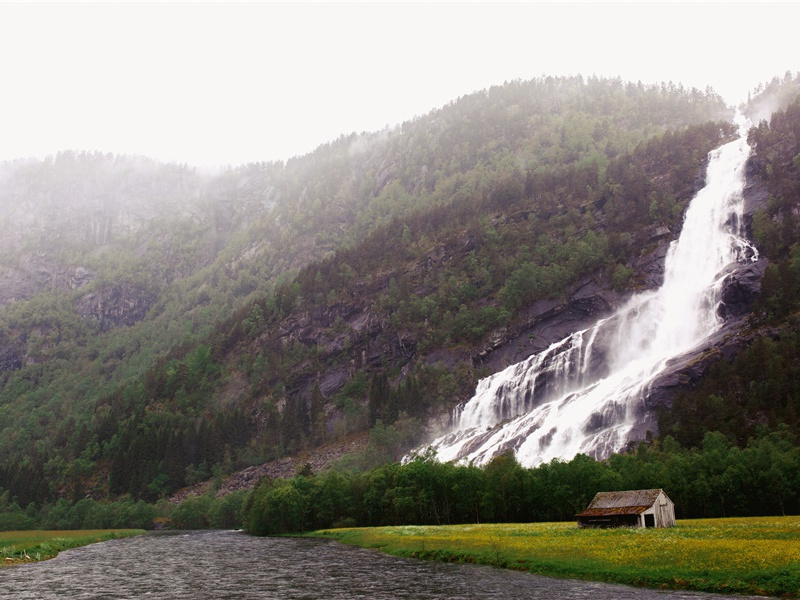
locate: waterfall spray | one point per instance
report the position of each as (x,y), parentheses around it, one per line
(559,403)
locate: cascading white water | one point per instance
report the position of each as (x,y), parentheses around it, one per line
(582,393)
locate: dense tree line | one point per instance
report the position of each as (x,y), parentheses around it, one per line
(197,512)
(714,480)
(82,514)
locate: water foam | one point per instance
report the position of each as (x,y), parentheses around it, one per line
(585,392)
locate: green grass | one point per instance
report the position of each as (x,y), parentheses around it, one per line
(25,546)
(737,556)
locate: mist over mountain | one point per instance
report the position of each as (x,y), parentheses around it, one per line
(160,324)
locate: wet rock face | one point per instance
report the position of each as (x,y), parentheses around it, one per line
(649,268)
(35,272)
(118,305)
(548,321)
(12,355)
(741,289)
(684,373)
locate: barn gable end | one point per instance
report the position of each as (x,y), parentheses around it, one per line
(632,508)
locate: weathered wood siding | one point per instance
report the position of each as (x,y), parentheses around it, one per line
(632,508)
(663,511)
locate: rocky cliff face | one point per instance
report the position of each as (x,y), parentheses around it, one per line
(35,272)
(547,321)
(116,305)
(685,372)
(12,353)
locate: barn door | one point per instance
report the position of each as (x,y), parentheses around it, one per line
(649,520)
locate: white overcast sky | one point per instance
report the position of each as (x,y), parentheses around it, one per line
(219,84)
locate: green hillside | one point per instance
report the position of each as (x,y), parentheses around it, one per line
(161,324)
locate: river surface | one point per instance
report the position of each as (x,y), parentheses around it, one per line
(231,565)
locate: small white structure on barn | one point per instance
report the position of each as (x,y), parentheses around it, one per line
(634,508)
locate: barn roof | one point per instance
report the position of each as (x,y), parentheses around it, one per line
(632,502)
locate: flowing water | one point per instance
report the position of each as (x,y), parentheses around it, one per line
(230,565)
(585,393)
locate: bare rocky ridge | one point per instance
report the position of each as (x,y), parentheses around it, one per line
(115,306)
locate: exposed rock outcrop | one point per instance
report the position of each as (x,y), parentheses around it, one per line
(12,354)
(684,373)
(117,305)
(35,272)
(592,298)
(741,289)
(546,322)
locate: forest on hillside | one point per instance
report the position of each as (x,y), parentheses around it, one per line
(716,479)
(199,324)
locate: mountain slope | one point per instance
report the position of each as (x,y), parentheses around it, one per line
(164,332)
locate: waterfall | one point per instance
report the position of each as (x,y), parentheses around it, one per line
(583,394)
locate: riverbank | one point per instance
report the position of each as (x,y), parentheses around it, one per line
(28,546)
(732,556)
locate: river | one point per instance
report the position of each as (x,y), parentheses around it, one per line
(231,565)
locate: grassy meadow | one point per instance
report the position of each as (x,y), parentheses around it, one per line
(26,546)
(741,556)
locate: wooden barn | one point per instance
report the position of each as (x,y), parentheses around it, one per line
(634,508)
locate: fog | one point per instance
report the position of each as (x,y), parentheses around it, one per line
(218,84)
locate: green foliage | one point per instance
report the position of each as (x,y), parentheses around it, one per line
(388,442)
(18,546)
(775,95)
(13,517)
(91,514)
(620,277)
(278,508)
(725,556)
(182,347)
(776,228)
(758,389)
(715,480)
(193,513)
(226,512)
(196,512)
